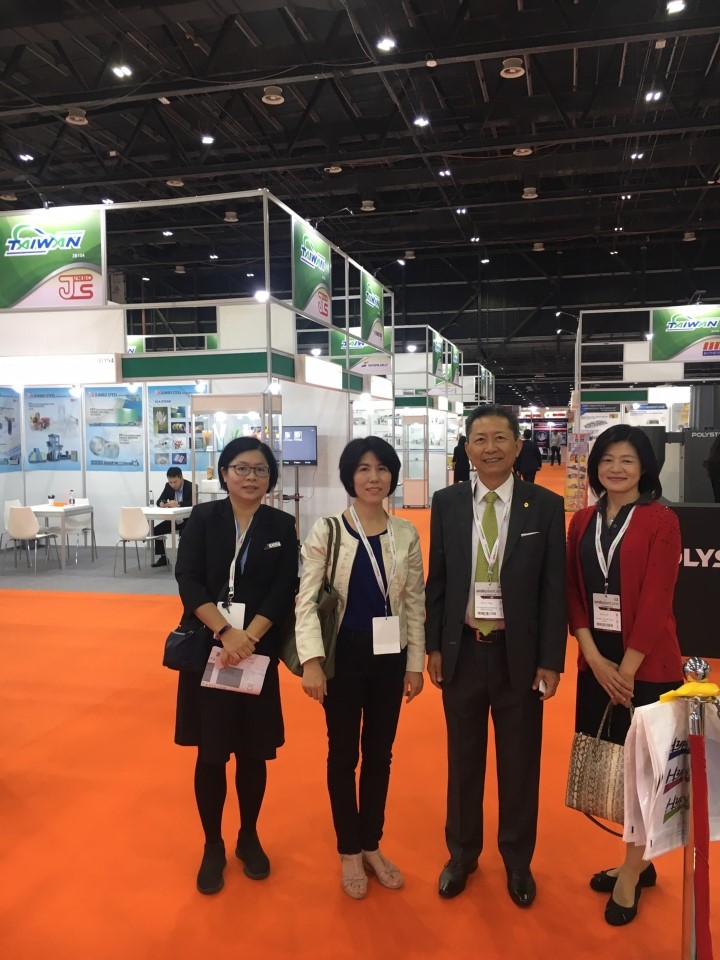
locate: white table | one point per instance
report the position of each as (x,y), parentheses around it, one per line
(49,512)
(173,514)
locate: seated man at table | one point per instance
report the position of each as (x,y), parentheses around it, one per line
(177,492)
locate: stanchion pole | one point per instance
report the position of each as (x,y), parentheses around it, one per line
(696,726)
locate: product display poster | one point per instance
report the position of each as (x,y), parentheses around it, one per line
(9,431)
(53,439)
(576,474)
(689,334)
(52,258)
(596,417)
(311,272)
(438,346)
(168,413)
(372,311)
(646,414)
(114,429)
(364,359)
(455,365)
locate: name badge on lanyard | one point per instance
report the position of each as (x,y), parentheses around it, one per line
(385,630)
(488,595)
(606,606)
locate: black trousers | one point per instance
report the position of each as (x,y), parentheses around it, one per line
(362,709)
(554,451)
(529,476)
(481,685)
(164,527)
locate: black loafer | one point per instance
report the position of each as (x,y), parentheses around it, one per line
(256,864)
(619,916)
(160,562)
(210,876)
(603,883)
(521,887)
(454,877)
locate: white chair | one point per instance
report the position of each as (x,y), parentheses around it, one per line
(134,527)
(81,525)
(6,512)
(23,527)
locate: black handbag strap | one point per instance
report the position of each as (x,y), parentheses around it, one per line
(607,716)
(333,547)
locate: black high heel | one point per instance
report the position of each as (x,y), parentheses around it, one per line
(619,916)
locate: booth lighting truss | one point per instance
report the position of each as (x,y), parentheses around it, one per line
(267,200)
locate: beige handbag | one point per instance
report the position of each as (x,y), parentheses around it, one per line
(595,784)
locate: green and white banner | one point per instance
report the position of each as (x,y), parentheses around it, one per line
(437,356)
(311,272)
(372,310)
(364,359)
(52,258)
(455,365)
(687,334)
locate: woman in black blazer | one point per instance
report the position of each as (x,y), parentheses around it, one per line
(220,722)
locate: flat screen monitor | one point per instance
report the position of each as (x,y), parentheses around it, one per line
(299,446)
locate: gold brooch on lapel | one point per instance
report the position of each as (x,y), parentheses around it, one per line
(526,504)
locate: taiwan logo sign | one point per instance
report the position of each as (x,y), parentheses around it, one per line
(311,273)
(52,258)
(687,334)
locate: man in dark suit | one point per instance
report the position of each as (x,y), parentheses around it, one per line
(529,459)
(496,630)
(177,492)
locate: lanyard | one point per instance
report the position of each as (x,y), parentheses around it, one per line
(238,547)
(490,555)
(605,564)
(385,591)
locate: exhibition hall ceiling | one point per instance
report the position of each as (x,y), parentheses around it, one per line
(523,157)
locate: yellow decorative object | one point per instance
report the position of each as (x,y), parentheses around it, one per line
(693,688)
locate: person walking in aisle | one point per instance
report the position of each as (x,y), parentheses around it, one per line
(495,633)
(379,658)
(529,458)
(460,461)
(555,444)
(240,540)
(622,564)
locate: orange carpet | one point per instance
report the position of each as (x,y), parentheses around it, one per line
(101,843)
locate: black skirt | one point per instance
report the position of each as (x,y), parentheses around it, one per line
(591,700)
(220,722)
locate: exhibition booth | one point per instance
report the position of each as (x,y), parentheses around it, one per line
(98,399)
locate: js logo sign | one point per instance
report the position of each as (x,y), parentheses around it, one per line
(76,286)
(31,241)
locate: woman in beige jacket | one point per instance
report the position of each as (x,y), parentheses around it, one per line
(380,653)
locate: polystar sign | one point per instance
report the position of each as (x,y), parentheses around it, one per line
(688,334)
(52,258)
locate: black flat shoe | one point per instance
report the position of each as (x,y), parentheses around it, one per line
(603,883)
(160,562)
(454,877)
(256,864)
(521,887)
(618,916)
(210,876)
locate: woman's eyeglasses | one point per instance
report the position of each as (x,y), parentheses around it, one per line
(245,469)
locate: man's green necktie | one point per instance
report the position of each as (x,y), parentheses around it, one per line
(482,573)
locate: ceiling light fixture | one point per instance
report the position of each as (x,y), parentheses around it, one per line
(333,168)
(445,173)
(167,233)
(76,117)
(529,193)
(409,254)
(485,259)
(649,336)
(513,68)
(637,155)
(474,239)
(207,139)
(613,253)
(538,246)
(108,201)
(689,236)
(230,216)
(401,261)
(522,151)
(164,101)
(145,279)
(249,274)
(653,95)
(179,269)
(386,44)
(10,197)
(122,70)
(421,121)
(618,229)
(367,206)
(431,62)
(213,256)
(175,182)
(316,351)
(461,210)
(25,157)
(675,6)
(411,347)
(262,296)
(273,96)
(626,196)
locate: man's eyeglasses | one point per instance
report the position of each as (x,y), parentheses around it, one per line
(245,469)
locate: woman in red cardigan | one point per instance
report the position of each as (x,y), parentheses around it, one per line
(622,564)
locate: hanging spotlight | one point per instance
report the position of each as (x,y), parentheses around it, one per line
(513,68)
(638,155)
(411,348)
(474,239)
(653,95)
(122,70)
(675,6)
(262,296)
(386,44)
(421,121)
(485,259)
(461,210)
(207,139)
(401,262)
(25,157)
(167,233)
(273,96)
(108,201)
(145,279)
(213,256)
(316,351)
